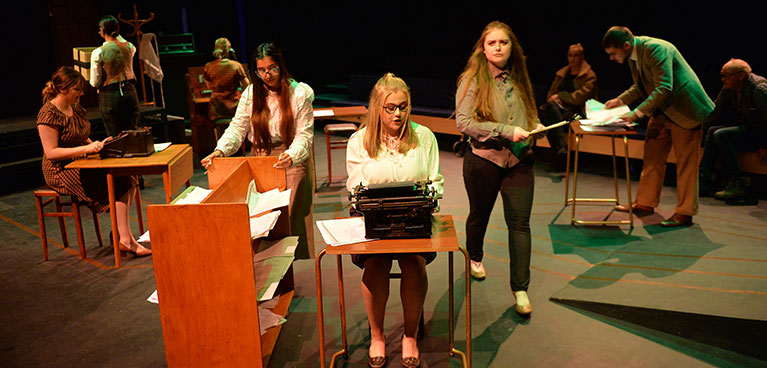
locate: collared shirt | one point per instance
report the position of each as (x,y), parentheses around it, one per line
(417,164)
(97,64)
(492,140)
(240,127)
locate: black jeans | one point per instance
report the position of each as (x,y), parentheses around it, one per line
(484,180)
(118,104)
(724,143)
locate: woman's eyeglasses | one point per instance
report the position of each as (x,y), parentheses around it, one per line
(272,70)
(392,108)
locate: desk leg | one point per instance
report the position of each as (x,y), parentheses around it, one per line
(320,315)
(465,358)
(113,216)
(342,300)
(615,170)
(575,177)
(567,165)
(166,184)
(628,181)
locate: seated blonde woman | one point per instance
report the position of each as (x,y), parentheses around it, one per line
(391,148)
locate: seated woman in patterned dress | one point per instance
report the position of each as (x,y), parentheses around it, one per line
(391,148)
(64,132)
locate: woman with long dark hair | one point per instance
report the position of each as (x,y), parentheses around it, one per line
(275,113)
(496,109)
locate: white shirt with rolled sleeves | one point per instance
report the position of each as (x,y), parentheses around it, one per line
(418,164)
(240,127)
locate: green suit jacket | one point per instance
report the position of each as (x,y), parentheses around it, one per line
(667,84)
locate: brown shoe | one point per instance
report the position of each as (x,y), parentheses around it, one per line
(677,220)
(637,209)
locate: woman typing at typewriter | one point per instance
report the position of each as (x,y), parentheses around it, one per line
(391,148)
(112,73)
(64,132)
(495,108)
(275,113)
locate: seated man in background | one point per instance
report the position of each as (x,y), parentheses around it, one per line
(572,86)
(737,124)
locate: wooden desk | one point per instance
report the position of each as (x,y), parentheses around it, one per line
(442,240)
(174,164)
(575,134)
(352,114)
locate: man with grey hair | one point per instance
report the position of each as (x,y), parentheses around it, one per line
(737,124)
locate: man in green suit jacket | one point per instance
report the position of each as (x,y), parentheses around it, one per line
(676,103)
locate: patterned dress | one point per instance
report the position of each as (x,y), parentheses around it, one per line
(89,186)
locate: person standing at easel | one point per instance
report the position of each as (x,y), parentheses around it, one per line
(112,73)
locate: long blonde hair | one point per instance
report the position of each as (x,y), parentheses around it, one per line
(385,87)
(477,70)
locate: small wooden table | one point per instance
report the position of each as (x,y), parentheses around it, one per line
(443,239)
(173,163)
(577,132)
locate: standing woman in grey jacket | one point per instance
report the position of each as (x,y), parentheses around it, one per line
(496,109)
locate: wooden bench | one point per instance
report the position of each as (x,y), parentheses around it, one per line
(206,281)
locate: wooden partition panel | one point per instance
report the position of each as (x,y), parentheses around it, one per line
(234,188)
(203,264)
(262,169)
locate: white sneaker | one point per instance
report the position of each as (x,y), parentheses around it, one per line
(523,303)
(477,270)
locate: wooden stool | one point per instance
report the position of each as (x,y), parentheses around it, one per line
(74,203)
(331,145)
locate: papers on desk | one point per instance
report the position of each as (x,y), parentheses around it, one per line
(159,147)
(324,113)
(259,203)
(262,225)
(343,231)
(599,118)
(192,195)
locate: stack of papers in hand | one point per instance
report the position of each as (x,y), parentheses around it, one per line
(262,225)
(343,231)
(607,119)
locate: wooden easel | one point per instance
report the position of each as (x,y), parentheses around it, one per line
(136,24)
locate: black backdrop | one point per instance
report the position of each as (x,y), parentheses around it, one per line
(325,41)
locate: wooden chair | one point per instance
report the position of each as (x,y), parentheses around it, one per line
(337,128)
(74,202)
(45,196)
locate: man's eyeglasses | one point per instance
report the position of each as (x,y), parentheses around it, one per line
(273,70)
(730,74)
(392,108)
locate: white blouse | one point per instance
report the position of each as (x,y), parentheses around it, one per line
(419,163)
(240,128)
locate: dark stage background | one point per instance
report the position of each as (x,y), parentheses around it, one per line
(326,41)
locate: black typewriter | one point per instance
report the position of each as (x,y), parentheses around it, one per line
(130,143)
(396,210)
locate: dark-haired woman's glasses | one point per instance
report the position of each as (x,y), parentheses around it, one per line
(392,108)
(273,70)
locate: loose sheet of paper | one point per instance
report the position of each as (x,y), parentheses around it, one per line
(194,196)
(260,226)
(262,202)
(159,147)
(153,298)
(343,231)
(324,113)
(597,114)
